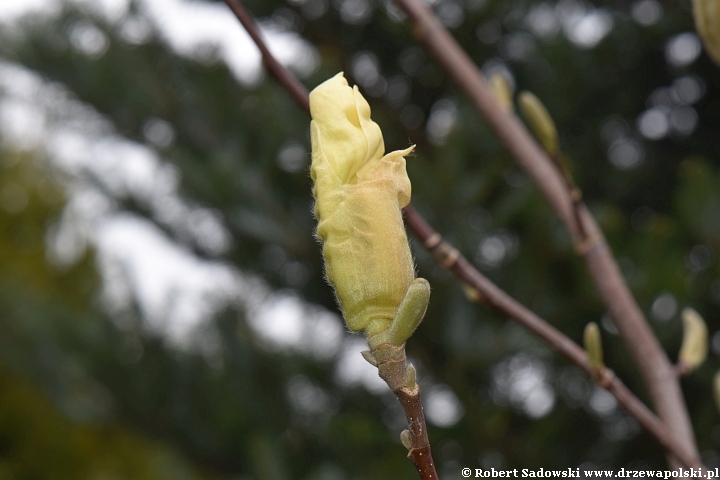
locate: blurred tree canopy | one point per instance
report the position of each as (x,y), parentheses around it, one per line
(116,134)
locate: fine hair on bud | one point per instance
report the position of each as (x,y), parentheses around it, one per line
(694,348)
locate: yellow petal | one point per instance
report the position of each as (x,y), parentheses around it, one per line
(341,116)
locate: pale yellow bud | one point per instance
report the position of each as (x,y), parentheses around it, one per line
(593,345)
(539,120)
(707,23)
(410,376)
(694,348)
(501,89)
(359,193)
(406,439)
(471,293)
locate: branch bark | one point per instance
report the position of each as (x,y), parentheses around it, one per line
(392,368)
(655,367)
(450,258)
(490,294)
(296,89)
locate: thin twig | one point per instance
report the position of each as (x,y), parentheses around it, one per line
(682,369)
(449,257)
(654,365)
(575,192)
(283,75)
(490,294)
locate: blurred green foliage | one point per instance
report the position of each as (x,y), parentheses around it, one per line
(83,395)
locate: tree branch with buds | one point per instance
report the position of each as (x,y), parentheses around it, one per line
(655,367)
(391,361)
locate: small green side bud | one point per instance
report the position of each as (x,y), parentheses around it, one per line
(593,345)
(406,439)
(539,120)
(501,89)
(471,293)
(694,348)
(410,376)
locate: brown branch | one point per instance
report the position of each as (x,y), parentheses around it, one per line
(496,298)
(682,369)
(450,258)
(390,361)
(282,74)
(654,365)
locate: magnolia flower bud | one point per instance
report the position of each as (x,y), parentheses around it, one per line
(359,194)
(593,345)
(694,348)
(707,24)
(539,120)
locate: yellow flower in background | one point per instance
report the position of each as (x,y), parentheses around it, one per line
(359,193)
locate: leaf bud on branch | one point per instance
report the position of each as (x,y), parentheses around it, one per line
(694,348)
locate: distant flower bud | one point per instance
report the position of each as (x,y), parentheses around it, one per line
(707,23)
(471,293)
(539,120)
(593,345)
(501,89)
(694,348)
